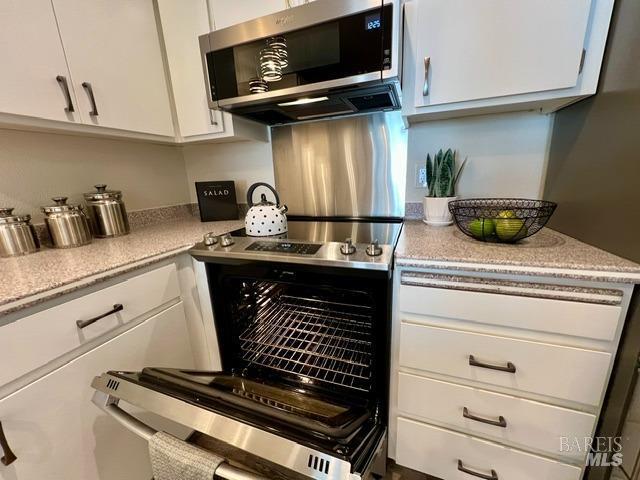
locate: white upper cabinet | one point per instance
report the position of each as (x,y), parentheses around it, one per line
(113,51)
(32,58)
(463,55)
(182,24)
(226,13)
(492,48)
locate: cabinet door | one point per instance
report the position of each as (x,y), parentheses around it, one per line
(480,49)
(31,56)
(114,46)
(182,23)
(225,13)
(58,434)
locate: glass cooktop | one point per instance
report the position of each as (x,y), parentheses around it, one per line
(337,231)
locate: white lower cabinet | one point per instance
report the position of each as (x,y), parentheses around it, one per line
(516,421)
(57,334)
(535,365)
(490,373)
(446,454)
(55,430)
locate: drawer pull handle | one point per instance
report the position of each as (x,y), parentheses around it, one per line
(85,323)
(462,468)
(510,368)
(501,422)
(9,457)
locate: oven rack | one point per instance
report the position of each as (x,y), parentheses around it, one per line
(326,341)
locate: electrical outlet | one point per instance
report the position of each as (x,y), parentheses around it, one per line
(421,176)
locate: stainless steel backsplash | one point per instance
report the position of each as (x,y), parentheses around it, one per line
(353,167)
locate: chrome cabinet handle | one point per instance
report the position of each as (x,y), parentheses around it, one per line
(510,367)
(94,109)
(85,323)
(67,95)
(8,456)
(462,468)
(501,422)
(425,86)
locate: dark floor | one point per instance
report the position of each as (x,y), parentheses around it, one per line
(396,472)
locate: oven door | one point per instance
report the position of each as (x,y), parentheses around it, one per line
(304,386)
(262,450)
(316,47)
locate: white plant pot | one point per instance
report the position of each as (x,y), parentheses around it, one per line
(436,211)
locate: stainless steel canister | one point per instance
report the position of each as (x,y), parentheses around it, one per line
(17,235)
(68,225)
(107,212)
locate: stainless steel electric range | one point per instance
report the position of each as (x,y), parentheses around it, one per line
(303,328)
(302,320)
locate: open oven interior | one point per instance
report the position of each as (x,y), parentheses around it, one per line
(305,342)
(306,334)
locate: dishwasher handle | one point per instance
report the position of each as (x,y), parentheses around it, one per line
(110,405)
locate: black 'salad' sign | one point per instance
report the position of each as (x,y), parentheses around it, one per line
(217,200)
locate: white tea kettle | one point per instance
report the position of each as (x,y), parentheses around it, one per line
(265,218)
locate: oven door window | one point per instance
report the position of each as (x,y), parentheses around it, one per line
(350,46)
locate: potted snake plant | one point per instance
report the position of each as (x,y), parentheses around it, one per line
(442,178)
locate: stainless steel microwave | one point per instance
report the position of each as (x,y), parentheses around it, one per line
(321,59)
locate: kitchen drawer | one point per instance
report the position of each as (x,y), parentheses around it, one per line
(528,424)
(580,319)
(32,341)
(568,373)
(436,451)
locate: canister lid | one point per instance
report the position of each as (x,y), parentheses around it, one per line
(6,216)
(60,206)
(102,193)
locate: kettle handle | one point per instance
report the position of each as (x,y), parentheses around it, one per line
(252,189)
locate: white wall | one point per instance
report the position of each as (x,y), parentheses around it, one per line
(37,166)
(507,153)
(243,162)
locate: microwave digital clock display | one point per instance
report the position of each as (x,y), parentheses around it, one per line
(372,22)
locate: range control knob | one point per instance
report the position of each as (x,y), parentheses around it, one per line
(226,240)
(209,239)
(347,247)
(373,250)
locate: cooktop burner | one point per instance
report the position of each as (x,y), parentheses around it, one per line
(337,231)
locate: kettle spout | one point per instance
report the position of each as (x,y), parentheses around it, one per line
(284,209)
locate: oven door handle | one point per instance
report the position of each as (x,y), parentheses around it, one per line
(110,406)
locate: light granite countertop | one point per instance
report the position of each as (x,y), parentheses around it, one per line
(548,253)
(48,273)
(25,281)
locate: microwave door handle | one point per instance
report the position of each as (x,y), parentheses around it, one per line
(110,406)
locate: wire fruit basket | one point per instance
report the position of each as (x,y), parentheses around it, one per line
(504,220)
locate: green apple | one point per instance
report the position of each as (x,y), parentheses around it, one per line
(509,227)
(482,227)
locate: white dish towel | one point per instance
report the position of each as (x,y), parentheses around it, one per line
(174,459)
